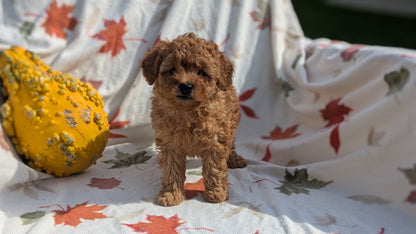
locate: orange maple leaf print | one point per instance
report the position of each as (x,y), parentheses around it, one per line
(193,189)
(72,215)
(278,134)
(58,20)
(157,225)
(113,35)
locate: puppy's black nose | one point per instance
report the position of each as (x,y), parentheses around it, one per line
(186,88)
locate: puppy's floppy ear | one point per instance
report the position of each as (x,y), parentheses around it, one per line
(152,60)
(227,68)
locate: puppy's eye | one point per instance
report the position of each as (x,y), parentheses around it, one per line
(172,71)
(201,73)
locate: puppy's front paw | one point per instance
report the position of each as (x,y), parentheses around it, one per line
(170,198)
(215,196)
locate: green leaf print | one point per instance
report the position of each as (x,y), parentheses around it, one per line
(26,29)
(300,183)
(295,62)
(287,88)
(396,80)
(126,159)
(410,174)
(31,217)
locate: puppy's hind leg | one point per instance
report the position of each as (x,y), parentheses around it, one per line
(235,160)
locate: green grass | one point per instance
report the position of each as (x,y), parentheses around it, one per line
(357,27)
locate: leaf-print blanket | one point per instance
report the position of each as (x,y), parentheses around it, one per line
(329,127)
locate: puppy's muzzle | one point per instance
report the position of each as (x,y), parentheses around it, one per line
(185,89)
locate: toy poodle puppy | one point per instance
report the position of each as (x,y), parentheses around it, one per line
(195,112)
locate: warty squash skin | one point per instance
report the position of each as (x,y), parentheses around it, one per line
(56,121)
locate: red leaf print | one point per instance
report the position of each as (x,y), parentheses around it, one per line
(261,180)
(323,45)
(226,39)
(263,20)
(104,183)
(268,155)
(248,111)
(412,197)
(348,53)
(3,143)
(247,95)
(113,35)
(96,84)
(72,215)
(278,134)
(334,112)
(244,97)
(58,20)
(334,140)
(115,135)
(193,189)
(409,56)
(156,42)
(382,231)
(157,225)
(117,125)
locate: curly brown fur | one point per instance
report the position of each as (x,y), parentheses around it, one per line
(195,112)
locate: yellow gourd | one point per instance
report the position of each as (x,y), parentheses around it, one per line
(54,119)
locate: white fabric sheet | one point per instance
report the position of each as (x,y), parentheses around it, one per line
(328,127)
